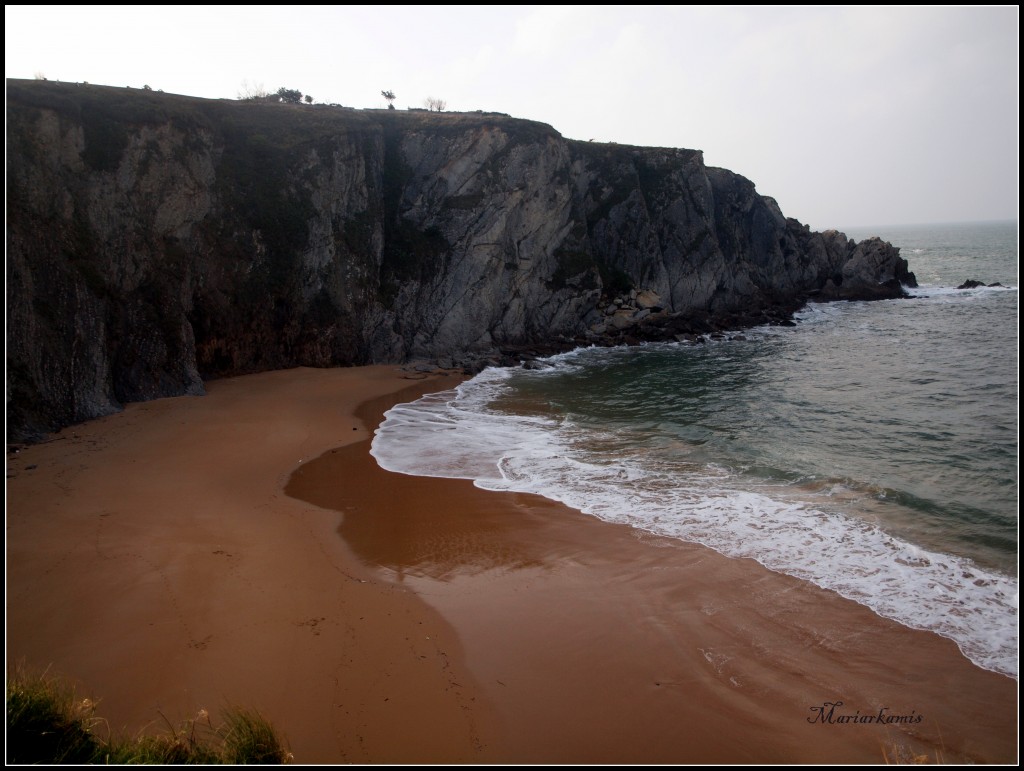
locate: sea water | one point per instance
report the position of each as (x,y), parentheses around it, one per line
(871,449)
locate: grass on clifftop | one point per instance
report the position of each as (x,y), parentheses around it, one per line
(47,723)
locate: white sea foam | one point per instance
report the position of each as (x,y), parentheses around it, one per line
(934,290)
(456,434)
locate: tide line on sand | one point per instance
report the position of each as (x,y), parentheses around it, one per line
(155,557)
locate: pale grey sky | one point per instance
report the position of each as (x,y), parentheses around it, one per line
(847,116)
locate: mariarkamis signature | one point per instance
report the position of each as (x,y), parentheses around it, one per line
(829,713)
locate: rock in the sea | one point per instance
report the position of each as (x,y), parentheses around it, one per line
(973,284)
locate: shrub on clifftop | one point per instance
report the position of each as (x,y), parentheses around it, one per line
(48,724)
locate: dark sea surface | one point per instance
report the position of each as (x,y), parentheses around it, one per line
(871,449)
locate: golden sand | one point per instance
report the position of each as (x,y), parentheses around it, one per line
(155,557)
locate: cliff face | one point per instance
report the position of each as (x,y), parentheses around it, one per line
(154,240)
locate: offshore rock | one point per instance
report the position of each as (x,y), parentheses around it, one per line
(974,284)
(155,241)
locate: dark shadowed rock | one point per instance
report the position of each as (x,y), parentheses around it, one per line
(156,240)
(973,284)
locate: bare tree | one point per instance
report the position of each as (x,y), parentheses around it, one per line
(390,96)
(252,93)
(435,105)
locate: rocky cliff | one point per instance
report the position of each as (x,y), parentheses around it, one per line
(156,240)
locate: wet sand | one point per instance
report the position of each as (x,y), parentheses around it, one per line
(155,557)
(599,644)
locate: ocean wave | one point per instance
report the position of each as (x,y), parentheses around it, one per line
(458,434)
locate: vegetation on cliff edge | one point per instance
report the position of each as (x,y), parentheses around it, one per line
(47,723)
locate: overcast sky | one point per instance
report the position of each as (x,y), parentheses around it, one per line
(847,116)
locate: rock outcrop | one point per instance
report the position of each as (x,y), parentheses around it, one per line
(156,240)
(972,283)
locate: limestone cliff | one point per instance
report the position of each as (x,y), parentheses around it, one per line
(156,240)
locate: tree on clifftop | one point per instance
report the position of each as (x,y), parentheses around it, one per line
(289,95)
(390,96)
(252,93)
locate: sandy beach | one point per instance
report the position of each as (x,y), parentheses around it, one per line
(244,548)
(153,557)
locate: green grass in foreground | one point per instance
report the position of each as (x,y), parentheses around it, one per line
(47,723)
